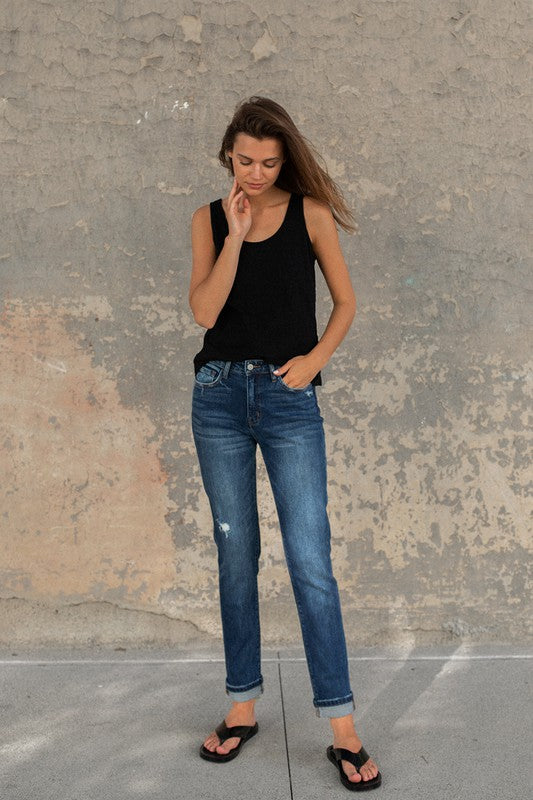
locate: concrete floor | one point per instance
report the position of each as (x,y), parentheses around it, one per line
(96,724)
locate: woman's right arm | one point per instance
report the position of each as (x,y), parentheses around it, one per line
(212,279)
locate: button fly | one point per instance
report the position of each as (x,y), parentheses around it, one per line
(250,366)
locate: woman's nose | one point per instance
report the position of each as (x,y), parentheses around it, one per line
(256,170)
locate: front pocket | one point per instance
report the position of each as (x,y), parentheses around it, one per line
(292,388)
(209,374)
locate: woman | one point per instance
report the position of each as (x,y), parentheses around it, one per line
(253,288)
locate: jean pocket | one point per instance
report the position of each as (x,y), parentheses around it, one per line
(292,388)
(209,374)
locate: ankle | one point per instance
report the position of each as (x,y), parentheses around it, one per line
(342,725)
(244,709)
(344,731)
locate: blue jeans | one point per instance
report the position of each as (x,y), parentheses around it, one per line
(235,406)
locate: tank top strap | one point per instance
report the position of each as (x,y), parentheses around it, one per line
(296,226)
(219,224)
(294,213)
(295,219)
(296,207)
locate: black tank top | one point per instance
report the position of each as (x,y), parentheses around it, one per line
(270,310)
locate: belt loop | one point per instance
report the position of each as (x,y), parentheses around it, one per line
(227,366)
(272,367)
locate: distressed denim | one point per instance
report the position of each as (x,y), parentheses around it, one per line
(237,405)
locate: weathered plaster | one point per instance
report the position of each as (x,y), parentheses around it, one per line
(111,115)
(84,496)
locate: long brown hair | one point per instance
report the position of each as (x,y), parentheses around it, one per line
(301,173)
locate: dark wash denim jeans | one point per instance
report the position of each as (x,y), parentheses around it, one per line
(235,406)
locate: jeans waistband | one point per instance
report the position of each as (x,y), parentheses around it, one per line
(251,366)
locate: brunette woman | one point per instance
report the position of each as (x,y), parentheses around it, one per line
(253,289)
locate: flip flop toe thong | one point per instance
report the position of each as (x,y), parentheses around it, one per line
(245,732)
(338,754)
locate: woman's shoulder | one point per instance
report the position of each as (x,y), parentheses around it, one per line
(201,219)
(205,209)
(202,215)
(316,208)
(318,216)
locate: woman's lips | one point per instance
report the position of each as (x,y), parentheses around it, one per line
(256,185)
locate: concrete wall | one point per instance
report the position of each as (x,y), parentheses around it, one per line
(111,115)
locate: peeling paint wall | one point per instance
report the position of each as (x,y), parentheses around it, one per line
(111,116)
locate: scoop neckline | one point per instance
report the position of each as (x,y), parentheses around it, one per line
(262,241)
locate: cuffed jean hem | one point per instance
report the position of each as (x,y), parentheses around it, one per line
(335,711)
(248,694)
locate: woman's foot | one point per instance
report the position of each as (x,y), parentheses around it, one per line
(344,735)
(239,714)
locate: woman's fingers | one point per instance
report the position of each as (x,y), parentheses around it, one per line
(235,193)
(234,187)
(240,202)
(239,213)
(231,194)
(234,204)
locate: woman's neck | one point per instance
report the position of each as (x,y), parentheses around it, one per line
(272,197)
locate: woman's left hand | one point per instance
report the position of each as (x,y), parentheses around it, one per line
(297,372)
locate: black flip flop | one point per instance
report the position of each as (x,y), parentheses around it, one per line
(338,754)
(223,732)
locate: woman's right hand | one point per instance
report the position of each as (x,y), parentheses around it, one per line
(238,212)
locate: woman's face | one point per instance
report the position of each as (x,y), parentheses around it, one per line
(256,162)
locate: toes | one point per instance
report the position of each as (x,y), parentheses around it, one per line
(353,776)
(211,742)
(373,769)
(369,770)
(228,745)
(366,772)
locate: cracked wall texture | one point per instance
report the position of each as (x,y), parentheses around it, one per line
(111,116)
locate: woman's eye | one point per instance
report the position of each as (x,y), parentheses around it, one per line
(247,164)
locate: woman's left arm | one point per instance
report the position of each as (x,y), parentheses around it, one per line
(322,230)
